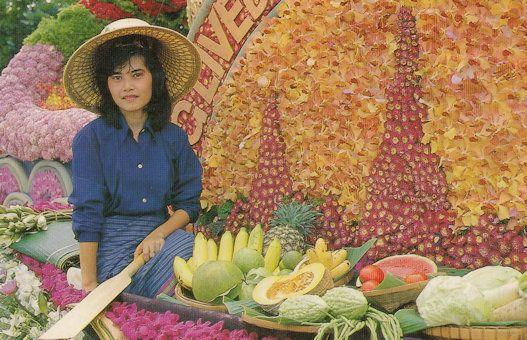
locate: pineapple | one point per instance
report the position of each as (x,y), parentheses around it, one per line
(291,223)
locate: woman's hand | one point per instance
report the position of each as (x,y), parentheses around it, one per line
(150,246)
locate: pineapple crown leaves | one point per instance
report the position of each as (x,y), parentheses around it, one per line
(300,216)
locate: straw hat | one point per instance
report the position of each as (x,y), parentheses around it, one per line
(179,57)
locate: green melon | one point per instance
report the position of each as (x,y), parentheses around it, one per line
(247,259)
(214,279)
(291,259)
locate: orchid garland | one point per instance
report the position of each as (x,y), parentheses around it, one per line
(27,131)
(25,311)
(45,187)
(8,183)
(134,323)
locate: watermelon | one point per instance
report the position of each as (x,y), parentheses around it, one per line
(404,265)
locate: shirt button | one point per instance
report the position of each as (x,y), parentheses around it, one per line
(144,200)
(140,165)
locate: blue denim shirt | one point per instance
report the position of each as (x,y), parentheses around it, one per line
(113,174)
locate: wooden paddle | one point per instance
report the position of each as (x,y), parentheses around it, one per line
(84,312)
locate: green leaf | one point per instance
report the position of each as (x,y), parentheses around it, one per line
(237,307)
(225,209)
(208,216)
(355,254)
(164,297)
(43,303)
(453,271)
(390,281)
(410,321)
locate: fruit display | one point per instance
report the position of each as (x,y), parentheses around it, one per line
(273,290)
(335,261)
(342,311)
(215,279)
(239,269)
(397,270)
(403,266)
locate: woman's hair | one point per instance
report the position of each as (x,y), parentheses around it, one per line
(117,52)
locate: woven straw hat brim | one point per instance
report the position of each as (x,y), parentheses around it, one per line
(180,59)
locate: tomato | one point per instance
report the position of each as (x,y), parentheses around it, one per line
(371,272)
(412,278)
(369,285)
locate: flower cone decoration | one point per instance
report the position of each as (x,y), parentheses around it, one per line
(407,190)
(272,180)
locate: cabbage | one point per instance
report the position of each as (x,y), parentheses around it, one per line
(491,277)
(452,300)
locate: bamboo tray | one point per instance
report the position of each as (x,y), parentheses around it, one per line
(393,298)
(478,333)
(184,298)
(278,326)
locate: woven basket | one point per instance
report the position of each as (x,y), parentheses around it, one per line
(391,299)
(278,326)
(183,296)
(478,333)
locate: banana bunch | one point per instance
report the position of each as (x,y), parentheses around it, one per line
(335,261)
(207,250)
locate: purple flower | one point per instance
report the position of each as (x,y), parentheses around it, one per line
(8,288)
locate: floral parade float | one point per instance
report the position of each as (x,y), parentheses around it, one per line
(328,130)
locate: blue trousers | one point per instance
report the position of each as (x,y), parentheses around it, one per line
(122,235)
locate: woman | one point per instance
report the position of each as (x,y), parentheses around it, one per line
(130,163)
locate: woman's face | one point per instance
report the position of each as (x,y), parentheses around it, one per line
(131,86)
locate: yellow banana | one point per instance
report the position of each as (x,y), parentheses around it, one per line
(337,257)
(199,252)
(241,240)
(191,264)
(312,255)
(226,247)
(341,269)
(182,272)
(256,238)
(320,246)
(326,259)
(212,250)
(272,256)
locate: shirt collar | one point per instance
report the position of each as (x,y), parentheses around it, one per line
(125,129)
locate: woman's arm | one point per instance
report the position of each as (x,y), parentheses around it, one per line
(88,259)
(153,243)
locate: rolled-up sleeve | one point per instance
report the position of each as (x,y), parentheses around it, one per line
(89,190)
(186,191)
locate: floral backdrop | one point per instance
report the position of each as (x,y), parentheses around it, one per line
(471,64)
